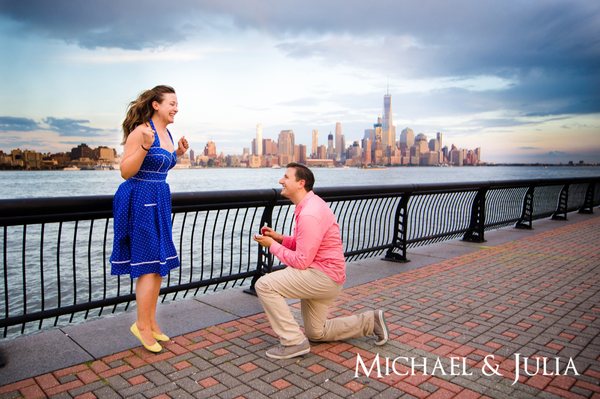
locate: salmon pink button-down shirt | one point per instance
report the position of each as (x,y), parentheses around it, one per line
(316,241)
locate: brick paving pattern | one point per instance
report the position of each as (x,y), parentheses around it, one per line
(538,297)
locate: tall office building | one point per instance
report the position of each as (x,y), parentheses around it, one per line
(439,139)
(270,147)
(210,149)
(339,142)
(478,154)
(421,143)
(301,156)
(259,148)
(407,137)
(388,129)
(434,145)
(315,143)
(366,151)
(330,148)
(322,152)
(285,146)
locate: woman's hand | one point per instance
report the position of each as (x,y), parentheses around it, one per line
(147,136)
(182,146)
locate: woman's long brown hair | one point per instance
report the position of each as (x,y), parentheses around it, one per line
(140,110)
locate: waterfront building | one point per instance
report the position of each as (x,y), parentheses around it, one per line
(269,147)
(210,149)
(421,143)
(319,162)
(445,154)
(366,153)
(82,151)
(285,147)
(254,161)
(285,143)
(259,131)
(407,140)
(26,159)
(434,145)
(315,143)
(321,152)
(104,154)
(339,142)
(330,147)
(301,153)
(387,127)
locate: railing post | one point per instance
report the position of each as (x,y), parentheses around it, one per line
(400,232)
(264,263)
(563,200)
(475,233)
(588,203)
(526,219)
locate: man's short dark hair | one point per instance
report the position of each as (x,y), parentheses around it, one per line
(303,173)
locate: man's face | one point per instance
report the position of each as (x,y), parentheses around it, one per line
(289,185)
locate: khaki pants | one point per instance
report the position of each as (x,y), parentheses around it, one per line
(317,292)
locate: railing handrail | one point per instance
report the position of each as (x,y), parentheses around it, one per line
(44,209)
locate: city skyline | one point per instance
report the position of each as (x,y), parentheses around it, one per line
(516,79)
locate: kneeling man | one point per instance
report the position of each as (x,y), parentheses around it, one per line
(315,273)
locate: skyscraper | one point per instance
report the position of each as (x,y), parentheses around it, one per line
(315,143)
(259,139)
(301,153)
(285,144)
(330,148)
(339,145)
(407,137)
(210,149)
(387,126)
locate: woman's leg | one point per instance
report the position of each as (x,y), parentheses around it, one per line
(155,293)
(146,297)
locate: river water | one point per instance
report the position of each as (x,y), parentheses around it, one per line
(28,184)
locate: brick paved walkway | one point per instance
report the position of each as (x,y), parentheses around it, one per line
(536,297)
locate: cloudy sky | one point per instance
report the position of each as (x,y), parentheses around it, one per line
(520,79)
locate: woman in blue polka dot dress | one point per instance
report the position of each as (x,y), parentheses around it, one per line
(143,242)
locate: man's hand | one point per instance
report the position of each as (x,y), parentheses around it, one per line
(264,240)
(269,232)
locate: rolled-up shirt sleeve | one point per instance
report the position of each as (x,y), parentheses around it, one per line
(299,251)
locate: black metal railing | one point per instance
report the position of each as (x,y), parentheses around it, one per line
(55,251)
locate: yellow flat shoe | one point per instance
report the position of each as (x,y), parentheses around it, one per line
(160,337)
(136,333)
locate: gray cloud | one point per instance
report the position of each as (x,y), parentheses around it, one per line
(63,126)
(72,127)
(549,49)
(11,123)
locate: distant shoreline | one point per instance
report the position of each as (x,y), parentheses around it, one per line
(14,169)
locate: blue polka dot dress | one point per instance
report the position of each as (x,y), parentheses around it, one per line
(143,240)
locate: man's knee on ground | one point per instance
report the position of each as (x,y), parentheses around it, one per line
(314,334)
